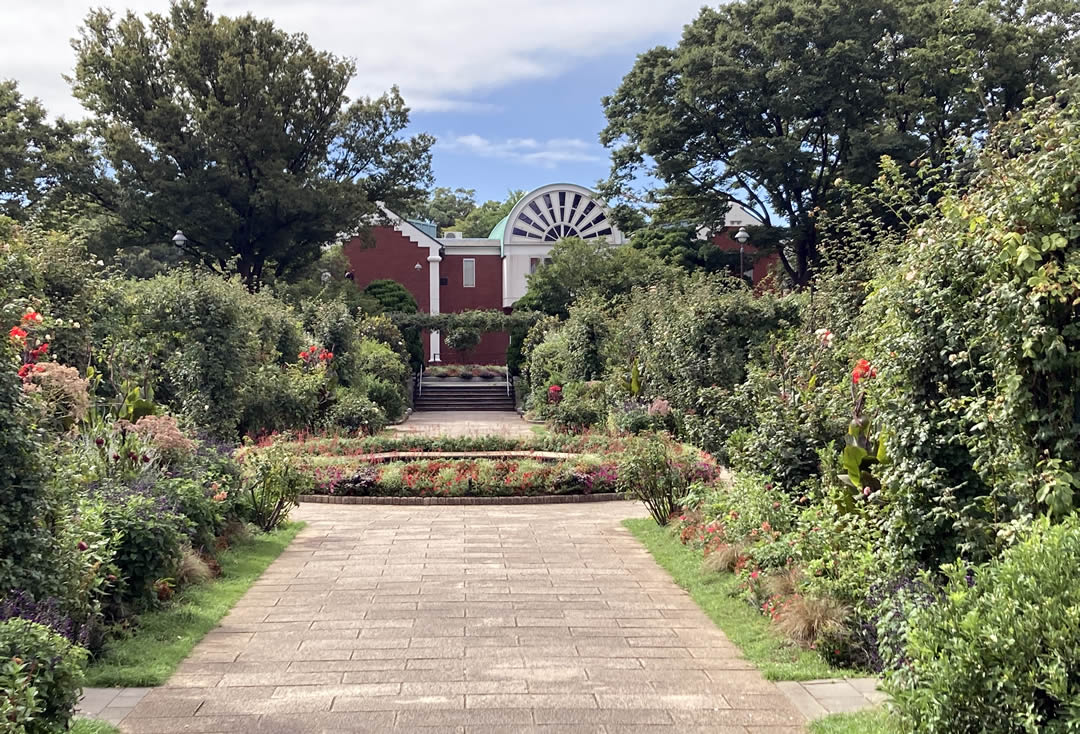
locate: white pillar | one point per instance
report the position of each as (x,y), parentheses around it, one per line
(433,300)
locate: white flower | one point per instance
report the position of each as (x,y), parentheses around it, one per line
(101,263)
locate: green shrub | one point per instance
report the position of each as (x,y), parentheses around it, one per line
(354,412)
(383,376)
(148,534)
(278,399)
(582,406)
(273,483)
(195,502)
(209,336)
(24,537)
(49,675)
(1000,650)
(974,331)
(695,332)
(648,472)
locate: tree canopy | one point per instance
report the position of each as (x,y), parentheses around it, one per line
(579,267)
(482,219)
(241,135)
(444,206)
(767,102)
(33,152)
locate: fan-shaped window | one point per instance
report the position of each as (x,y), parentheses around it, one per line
(556,215)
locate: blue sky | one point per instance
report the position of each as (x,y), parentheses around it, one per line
(511,88)
(557,120)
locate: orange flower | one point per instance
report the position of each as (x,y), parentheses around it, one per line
(863,369)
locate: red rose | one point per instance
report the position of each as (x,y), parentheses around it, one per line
(16,334)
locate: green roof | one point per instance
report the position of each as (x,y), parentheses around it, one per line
(498,229)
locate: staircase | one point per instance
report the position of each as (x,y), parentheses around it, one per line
(447,394)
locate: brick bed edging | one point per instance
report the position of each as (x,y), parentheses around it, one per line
(556,499)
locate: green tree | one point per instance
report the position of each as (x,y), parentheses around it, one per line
(481,220)
(241,135)
(34,154)
(393,296)
(582,267)
(396,298)
(445,206)
(767,102)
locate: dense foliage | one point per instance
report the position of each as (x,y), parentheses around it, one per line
(240,134)
(765,103)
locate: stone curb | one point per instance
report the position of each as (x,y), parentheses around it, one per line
(559,499)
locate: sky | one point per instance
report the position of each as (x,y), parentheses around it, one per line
(511,89)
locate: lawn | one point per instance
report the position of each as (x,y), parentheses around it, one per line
(777,658)
(863,722)
(164,638)
(92,726)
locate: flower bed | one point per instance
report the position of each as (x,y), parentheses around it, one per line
(466,478)
(332,445)
(465,372)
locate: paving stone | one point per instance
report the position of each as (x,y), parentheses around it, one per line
(466,619)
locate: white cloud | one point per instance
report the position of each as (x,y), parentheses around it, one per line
(546,154)
(440,52)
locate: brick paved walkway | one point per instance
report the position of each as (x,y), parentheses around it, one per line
(547,618)
(465,423)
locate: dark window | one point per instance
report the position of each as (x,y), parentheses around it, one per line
(444,281)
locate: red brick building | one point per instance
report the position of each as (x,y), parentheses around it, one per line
(450,273)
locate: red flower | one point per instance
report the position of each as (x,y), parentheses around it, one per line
(31,317)
(862,370)
(24,370)
(16,334)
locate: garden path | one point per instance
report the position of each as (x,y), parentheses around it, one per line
(465,423)
(527,618)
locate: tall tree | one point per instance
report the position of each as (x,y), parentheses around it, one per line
(767,102)
(445,206)
(241,135)
(481,220)
(34,153)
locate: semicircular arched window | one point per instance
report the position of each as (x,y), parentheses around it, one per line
(555,215)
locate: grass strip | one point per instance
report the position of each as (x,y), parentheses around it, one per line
(876,721)
(165,637)
(92,726)
(774,655)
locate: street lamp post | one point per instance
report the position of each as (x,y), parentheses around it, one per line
(180,240)
(741,237)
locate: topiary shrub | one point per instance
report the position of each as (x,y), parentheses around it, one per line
(1000,650)
(41,676)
